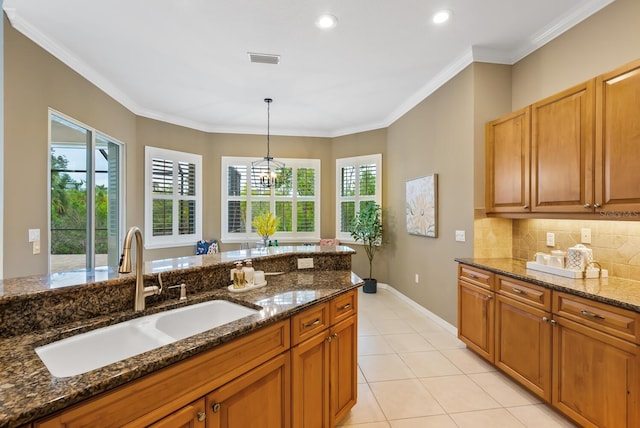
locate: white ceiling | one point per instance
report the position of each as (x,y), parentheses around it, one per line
(185,61)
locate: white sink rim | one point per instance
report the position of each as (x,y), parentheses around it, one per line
(98,348)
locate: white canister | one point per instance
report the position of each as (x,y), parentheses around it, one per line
(578,256)
(557,258)
(542,258)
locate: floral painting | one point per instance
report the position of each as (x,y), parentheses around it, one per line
(422,206)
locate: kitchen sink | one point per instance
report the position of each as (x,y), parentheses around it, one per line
(98,348)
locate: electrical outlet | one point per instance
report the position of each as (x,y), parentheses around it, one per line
(305,263)
(460,236)
(551,239)
(585,235)
(36,247)
(417,279)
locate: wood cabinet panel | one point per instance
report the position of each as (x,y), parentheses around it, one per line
(615,321)
(190,416)
(507,151)
(310,388)
(562,132)
(257,399)
(618,139)
(476,319)
(524,292)
(344,368)
(595,376)
(523,344)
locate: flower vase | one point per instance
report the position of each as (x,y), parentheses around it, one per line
(265,240)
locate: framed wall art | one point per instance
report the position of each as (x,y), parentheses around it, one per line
(422,206)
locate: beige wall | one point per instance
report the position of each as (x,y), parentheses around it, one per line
(436,136)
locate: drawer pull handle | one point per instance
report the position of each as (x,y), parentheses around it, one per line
(473,276)
(591,314)
(345,307)
(518,291)
(311,324)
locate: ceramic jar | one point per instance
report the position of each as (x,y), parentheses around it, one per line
(578,257)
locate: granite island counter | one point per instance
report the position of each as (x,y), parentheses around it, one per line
(29,392)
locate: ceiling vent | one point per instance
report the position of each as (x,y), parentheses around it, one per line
(260,58)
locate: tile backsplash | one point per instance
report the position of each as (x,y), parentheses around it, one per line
(615,244)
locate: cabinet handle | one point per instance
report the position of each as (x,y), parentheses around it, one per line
(525,207)
(342,308)
(591,314)
(553,322)
(311,324)
(489,297)
(518,291)
(329,339)
(596,205)
(545,319)
(201,416)
(473,276)
(334,335)
(587,206)
(216,408)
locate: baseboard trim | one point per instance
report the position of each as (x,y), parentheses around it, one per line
(442,323)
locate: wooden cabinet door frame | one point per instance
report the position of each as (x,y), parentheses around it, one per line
(507,152)
(562,133)
(344,368)
(476,319)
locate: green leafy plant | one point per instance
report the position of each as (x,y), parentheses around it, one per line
(367,227)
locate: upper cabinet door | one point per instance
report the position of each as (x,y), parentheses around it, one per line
(507,163)
(617,165)
(562,151)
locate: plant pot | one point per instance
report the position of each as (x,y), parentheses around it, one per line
(370,285)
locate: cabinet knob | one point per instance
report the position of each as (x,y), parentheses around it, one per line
(525,207)
(216,408)
(329,339)
(596,205)
(553,322)
(201,416)
(489,297)
(587,206)
(545,319)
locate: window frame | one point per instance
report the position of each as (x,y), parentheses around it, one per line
(356,162)
(286,237)
(175,239)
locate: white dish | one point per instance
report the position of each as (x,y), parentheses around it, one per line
(246,288)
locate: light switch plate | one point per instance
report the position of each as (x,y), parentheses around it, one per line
(585,235)
(460,236)
(305,263)
(34,235)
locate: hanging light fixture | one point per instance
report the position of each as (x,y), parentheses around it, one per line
(265,170)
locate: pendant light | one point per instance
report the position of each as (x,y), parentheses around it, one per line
(265,170)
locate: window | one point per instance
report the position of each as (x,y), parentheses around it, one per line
(173,198)
(359,182)
(86,209)
(295,200)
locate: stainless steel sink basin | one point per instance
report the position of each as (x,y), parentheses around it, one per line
(98,348)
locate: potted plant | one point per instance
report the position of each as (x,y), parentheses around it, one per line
(367,227)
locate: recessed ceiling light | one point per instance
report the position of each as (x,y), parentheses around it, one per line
(441,16)
(326,21)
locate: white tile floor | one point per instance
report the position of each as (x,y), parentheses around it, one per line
(415,373)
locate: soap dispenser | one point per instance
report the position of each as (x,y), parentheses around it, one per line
(248,272)
(238,277)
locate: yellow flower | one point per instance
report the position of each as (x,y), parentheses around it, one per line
(265,224)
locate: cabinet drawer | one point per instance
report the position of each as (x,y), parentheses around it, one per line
(609,319)
(524,292)
(309,322)
(343,307)
(476,276)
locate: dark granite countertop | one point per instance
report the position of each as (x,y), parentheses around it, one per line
(28,391)
(620,292)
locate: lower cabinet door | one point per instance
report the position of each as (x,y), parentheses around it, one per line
(523,345)
(596,377)
(257,399)
(476,318)
(190,416)
(344,363)
(310,387)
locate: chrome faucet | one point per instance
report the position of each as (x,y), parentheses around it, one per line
(125,267)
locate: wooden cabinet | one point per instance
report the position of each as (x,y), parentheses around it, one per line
(562,135)
(523,334)
(190,416)
(596,372)
(618,140)
(476,310)
(257,399)
(324,366)
(507,151)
